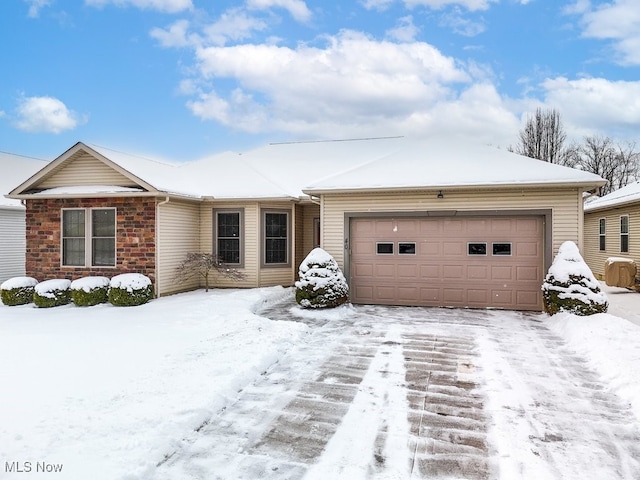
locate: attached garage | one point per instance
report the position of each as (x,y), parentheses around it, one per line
(457,261)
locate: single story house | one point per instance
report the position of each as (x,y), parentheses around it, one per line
(410,222)
(612,228)
(13,169)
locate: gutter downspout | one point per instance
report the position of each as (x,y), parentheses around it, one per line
(158,205)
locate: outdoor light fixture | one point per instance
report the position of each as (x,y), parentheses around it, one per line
(440,194)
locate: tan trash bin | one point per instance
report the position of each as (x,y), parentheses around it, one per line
(620,272)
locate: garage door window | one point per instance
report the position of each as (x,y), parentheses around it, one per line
(384,248)
(406,248)
(502,248)
(477,248)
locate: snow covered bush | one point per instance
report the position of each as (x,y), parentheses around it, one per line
(89,291)
(130,289)
(570,285)
(17,291)
(52,293)
(321,282)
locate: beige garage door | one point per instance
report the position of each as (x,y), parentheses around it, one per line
(448,261)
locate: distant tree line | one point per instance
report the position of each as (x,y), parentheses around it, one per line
(543,137)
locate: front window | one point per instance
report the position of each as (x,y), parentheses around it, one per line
(89,237)
(603,234)
(228,231)
(276,238)
(624,234)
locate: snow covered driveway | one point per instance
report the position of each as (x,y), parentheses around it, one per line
(410,393)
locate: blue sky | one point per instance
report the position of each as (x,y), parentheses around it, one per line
(180,79)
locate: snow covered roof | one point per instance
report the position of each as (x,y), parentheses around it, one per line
(13,170)
(622,196)
(291,170)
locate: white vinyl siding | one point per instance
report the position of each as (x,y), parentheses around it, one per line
(177,235)
(565,205)
(592,255)
(12,239)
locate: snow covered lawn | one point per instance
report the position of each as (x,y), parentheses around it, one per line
(107,391)
(198,385)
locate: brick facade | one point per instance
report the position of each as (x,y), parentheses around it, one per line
(135,237)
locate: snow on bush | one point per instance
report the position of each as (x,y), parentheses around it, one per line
(52,293)
(17,291)
(321,283)
(130,289)
(570,285)
(88,291)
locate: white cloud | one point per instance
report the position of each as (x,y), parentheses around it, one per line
(379,5)
(234,24)
(45,114)
(438,4)
(404,31)
(297,8)
(619,22)
(168,6)
(174,36)
(35,6)
(353,85)
(461,25)
(593,105)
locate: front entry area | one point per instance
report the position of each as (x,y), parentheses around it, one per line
(452,261)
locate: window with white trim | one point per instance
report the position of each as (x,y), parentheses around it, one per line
(624,234)
(89,237)
(228,233)
(602,231)
(276,240)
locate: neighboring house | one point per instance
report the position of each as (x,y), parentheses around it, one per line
(612,228)
(13,170)
(409,222)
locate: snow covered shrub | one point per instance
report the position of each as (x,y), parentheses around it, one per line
(321,283)
(52,293)
(570,285)
(130,289)
(88,291)
(17,291)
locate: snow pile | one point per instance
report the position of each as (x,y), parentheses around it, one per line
(18,282)
(611,346)
(321,283)
(130,282)
(87,284)
(570,285)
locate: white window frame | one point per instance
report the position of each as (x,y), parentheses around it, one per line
(88,237)
(602,235)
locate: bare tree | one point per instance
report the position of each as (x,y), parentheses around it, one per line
(600,155)
(203,264)
(543,137)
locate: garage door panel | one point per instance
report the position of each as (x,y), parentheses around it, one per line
(385,270)
(440,272)
(478,272)
(408,271)
(428,272)
(505,272)
(528,274)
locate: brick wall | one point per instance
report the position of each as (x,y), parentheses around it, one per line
(135,237)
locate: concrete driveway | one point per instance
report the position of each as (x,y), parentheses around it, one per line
(412,393)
